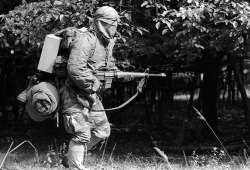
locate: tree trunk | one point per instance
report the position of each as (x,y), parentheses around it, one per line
(230,86)
(191,99)
(210,92)
(242,90)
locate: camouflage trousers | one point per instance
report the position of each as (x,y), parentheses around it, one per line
(86,127)
(81,122)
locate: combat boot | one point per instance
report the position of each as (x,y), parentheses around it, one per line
(76,155)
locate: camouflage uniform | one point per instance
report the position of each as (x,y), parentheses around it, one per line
(89,51)
(82,123)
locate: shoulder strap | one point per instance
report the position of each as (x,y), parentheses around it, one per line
(93,50)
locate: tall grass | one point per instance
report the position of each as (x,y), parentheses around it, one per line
(111,161)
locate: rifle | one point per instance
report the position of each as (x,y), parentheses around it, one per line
(106,77)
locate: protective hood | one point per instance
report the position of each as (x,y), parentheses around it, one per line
(105,22)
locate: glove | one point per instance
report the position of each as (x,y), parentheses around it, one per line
(94,99)
(97,84)
(127,78)
(100,90)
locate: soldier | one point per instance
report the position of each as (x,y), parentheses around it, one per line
(89,51)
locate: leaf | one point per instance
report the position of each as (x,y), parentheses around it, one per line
(164,31)
(17,41)
(74,7)
(243,18)
(182,9)
(6,44)
(235,24)
(163,6)
(58,3)
(157,25)
(233,4)
(184,32)
(144,3)
(164,13)
(125,24)
(143,29)
(241,39)
(197,17)
(183,16)
(43,18)
(56,16)
(128,16)
(179,34)
(129,32)
(48,18)
(190,14)
(124,40)
(216,1)
(189,1)
(198,46)
(61,17)
(139,31)
(168,24)
(202,29)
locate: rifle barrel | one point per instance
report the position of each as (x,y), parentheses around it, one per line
(137,74)
(157,75)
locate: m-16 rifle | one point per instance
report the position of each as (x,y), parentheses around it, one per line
(106,77)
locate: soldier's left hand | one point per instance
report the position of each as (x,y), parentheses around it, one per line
(128,78)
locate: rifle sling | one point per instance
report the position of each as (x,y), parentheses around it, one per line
(139,90)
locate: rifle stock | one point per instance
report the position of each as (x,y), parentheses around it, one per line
(106,77)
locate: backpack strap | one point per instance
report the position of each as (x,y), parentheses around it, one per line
(68,35)
(93,49)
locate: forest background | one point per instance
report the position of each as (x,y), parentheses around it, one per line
(202,46)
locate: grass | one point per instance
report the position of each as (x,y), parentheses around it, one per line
(110,160)
(123,151)
(126,151)
(132,163)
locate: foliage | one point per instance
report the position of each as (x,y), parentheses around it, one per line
(215,158)
(54,157)
(182,32)
(22,30)
(199,25)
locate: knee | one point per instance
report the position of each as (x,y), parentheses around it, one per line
(103,131)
